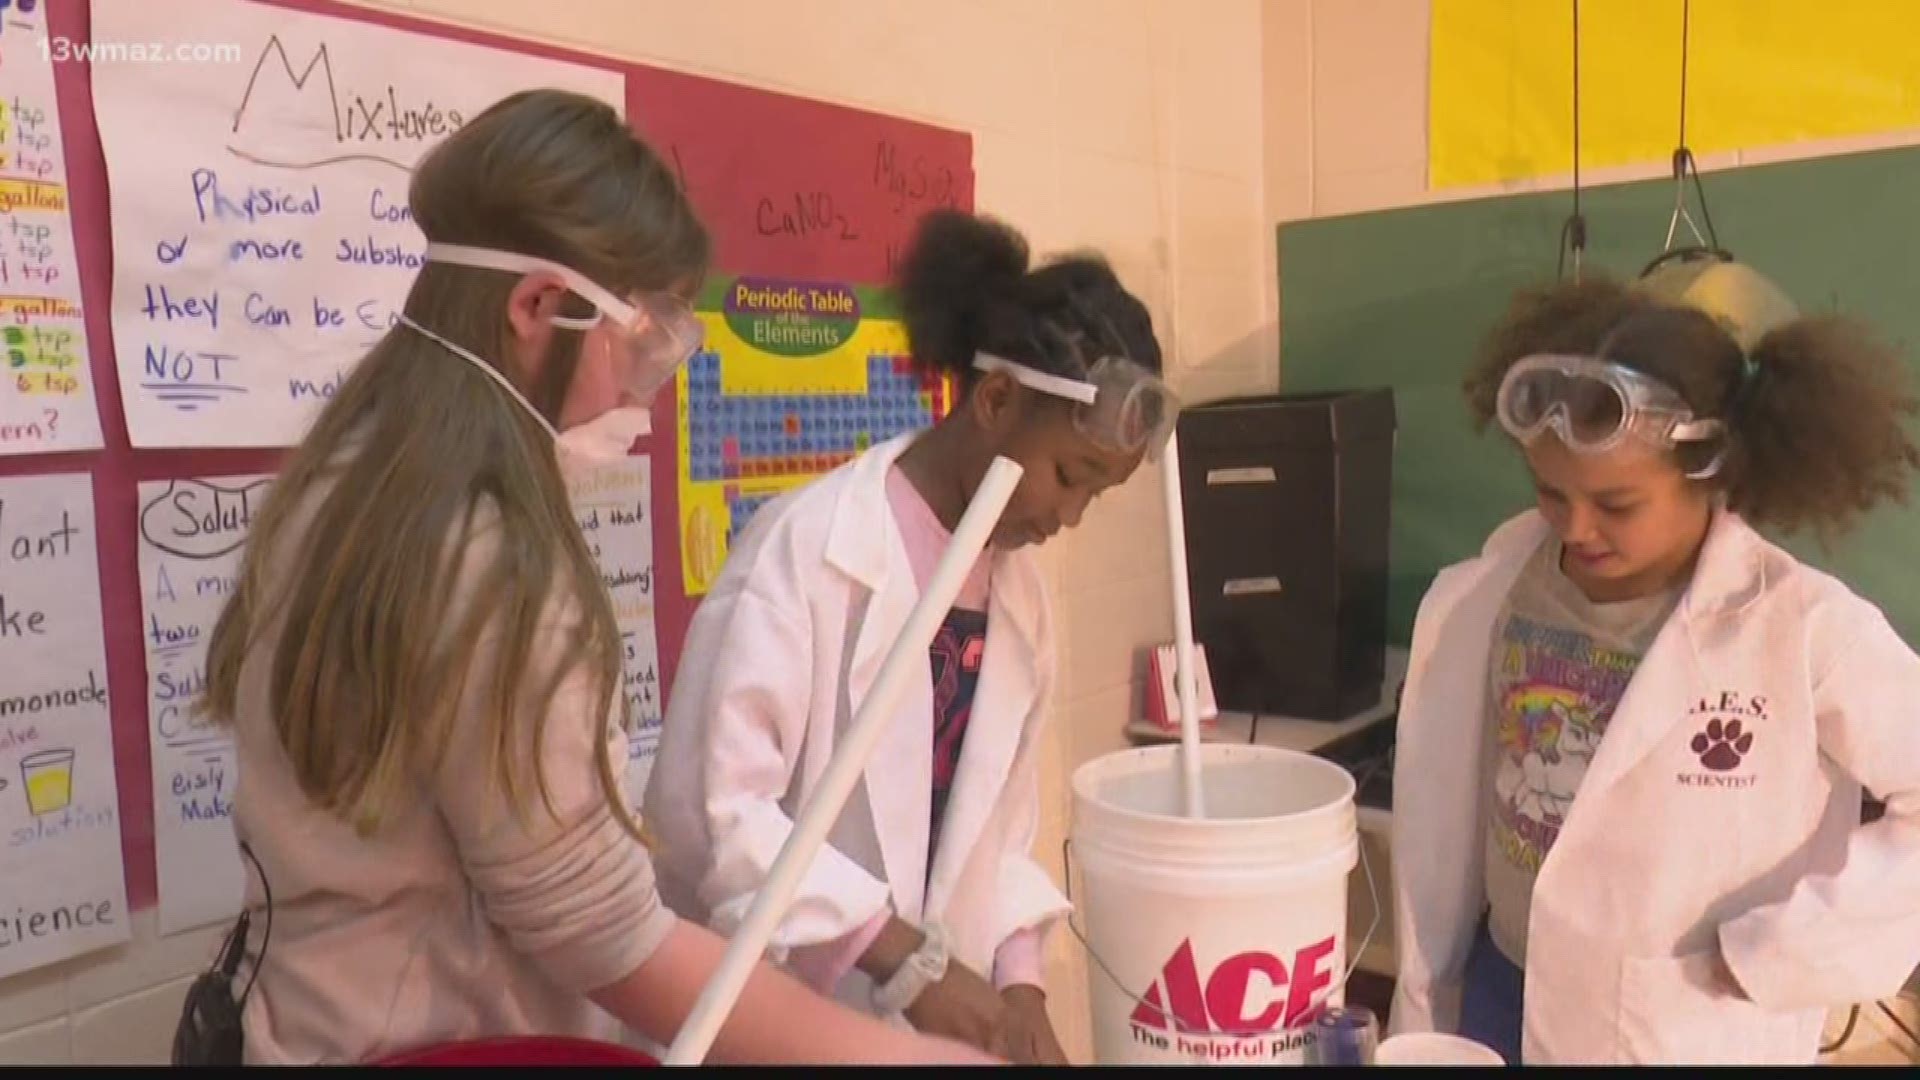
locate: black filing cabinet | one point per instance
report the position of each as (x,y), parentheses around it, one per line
(1287,510)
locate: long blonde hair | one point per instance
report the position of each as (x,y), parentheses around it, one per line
(369,672)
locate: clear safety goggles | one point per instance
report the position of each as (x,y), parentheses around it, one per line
(1119,405)
(652,335)
(1594,405)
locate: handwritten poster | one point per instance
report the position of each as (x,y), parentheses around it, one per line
(265,243)
(797,188)
(46,397)
(615,510)
(191,538)
(62,886)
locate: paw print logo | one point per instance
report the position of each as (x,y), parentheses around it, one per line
(1722,746)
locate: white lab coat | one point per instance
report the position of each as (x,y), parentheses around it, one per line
(779,656)
(1661,860)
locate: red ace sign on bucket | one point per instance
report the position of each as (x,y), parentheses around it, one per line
(1213,940)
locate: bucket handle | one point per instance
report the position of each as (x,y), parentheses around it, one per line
(1353,962)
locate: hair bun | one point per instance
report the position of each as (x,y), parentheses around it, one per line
(960,254)
(957,265)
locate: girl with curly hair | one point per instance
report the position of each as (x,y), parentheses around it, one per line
(1709,891)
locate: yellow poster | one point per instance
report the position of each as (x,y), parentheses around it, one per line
(796,378)
(1761,73)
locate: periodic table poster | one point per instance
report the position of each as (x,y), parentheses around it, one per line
(796,379)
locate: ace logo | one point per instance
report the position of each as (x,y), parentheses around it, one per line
(1227,1002)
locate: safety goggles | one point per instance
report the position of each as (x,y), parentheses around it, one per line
(1118,405)
(653,335)
(1594,405)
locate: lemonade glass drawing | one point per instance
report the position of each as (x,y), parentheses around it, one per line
(49,779)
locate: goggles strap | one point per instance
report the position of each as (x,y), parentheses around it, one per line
(486,369)
(1059,386)
(514,262)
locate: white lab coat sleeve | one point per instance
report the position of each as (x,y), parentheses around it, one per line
(1427,985)
(759,696)
(1852,935)
(1028,898)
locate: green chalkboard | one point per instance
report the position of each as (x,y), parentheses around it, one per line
(1403,298)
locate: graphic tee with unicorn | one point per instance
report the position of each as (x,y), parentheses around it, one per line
(1560,664)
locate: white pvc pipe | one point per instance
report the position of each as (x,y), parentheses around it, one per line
(1166,148)
(1185,668)
(843,771)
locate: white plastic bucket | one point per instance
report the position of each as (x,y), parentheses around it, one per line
(1212,940)
(1435,1048)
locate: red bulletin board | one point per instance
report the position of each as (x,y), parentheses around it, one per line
(790,187)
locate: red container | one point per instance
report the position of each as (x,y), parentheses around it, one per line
(522,1050)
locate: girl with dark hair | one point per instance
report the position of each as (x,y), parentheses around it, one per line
(927,902)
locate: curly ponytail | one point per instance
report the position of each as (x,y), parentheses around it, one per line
(958,279)
(1819,433)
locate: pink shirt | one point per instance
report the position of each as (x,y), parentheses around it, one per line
(460,917)
(1018,959)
